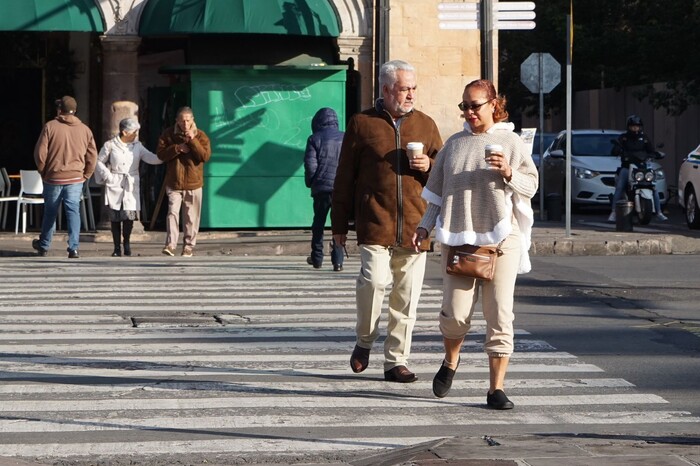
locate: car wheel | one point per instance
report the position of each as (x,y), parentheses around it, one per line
(692,211)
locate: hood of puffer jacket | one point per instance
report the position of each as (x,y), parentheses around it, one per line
(324,118)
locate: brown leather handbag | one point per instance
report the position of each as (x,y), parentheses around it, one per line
(473,261)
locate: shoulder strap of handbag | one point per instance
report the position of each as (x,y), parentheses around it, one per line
(499,251)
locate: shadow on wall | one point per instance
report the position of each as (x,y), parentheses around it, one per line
(258,191)
(258,121)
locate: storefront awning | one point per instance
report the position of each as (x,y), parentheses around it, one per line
(50,15)
(287,17)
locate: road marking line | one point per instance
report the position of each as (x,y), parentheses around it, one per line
(315,402)
(266,444)
(323,387)
(346,419)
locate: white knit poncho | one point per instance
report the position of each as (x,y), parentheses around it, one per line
(470,203)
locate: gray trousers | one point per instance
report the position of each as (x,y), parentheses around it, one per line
(190,200)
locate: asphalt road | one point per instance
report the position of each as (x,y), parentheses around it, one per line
(637,317)
(233,360)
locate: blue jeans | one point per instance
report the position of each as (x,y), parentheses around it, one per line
(53,195)
(322,205)
(621,182)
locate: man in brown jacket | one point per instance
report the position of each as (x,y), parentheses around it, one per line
(378,186)
(65,156)
(184,149)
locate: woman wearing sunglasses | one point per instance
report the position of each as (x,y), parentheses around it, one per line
(481,198)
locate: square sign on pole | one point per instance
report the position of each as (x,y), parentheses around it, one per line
(454,16)
(489,16)
(467,16)
(540,73)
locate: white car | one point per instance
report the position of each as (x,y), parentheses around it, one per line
(689,188)
(548,138)
(593,167)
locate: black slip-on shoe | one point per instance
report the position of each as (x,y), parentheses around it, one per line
(73,254)
(442,382)
(498,400)
(400,374)
(311,262)
(36,244)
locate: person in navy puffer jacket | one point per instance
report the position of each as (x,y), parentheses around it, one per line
(320,164)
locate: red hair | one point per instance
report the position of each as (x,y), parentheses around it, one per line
(499,113)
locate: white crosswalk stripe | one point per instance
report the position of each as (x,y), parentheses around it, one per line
(248,356)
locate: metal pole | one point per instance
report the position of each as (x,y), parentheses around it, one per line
(541,84)
(381,40)
(568,126)
(487,39)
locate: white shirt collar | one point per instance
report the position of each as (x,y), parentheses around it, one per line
(502,126)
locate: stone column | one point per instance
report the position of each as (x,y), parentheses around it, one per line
(119,77)
(120,93)
(360,50)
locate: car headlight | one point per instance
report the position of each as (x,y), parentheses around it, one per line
(584,173)
(660,174)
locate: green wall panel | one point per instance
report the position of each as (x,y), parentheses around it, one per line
(258,119)
(256,201)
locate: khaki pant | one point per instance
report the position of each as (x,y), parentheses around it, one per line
(460,295)
(191,202)
(381,266)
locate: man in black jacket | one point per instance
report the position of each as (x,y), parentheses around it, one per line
(320,164)
(634,145)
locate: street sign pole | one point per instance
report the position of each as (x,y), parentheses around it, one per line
(541,182)
(487,39)
(568,126)
(540,73)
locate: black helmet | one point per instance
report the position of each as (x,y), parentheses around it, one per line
(634,120)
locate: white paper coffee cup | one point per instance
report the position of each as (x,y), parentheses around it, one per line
(414,149)
(492,148)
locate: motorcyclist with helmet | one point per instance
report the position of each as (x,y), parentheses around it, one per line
(633,146)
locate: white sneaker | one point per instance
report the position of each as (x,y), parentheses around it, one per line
(612,217)
(661,217)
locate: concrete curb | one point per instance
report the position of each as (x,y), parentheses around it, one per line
(545,242)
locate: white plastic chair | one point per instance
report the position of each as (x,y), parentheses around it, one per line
(5,195)
(30,192)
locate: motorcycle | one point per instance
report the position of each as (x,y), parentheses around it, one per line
(641,183)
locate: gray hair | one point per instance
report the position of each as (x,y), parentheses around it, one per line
(128,125)
(387,73)
(184,111)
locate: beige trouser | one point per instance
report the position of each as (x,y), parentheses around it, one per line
(381,266)
(460,295)
(191,202)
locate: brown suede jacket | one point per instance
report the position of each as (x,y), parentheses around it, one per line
(374,184)
(184,170)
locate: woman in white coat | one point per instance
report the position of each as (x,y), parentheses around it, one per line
(118,168)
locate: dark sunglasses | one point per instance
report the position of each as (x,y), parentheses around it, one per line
(463,106)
